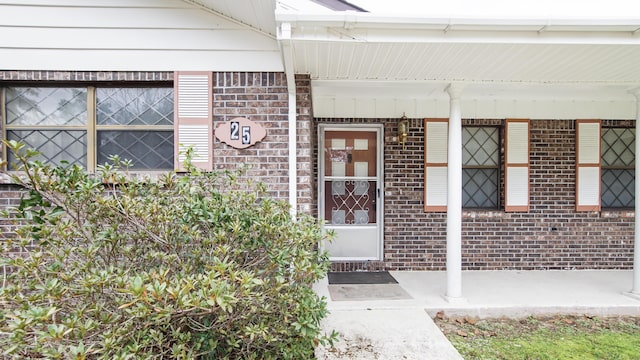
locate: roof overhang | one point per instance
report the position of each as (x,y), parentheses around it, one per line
(363,64)
(256,14)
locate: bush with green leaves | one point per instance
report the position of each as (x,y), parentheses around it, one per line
(184,266)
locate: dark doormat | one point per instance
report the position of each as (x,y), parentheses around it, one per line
(361,277)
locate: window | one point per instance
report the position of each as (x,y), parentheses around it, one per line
(618,168)
(50,120)
(480,167)
(85,125)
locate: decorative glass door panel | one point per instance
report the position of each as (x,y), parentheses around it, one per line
(350,202)
(350,192)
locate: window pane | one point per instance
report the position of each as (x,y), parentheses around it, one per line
(55,145)
(46,106)
(352,202)
(480,188)
(618,187)
(618,147)
(480,146)
(134,106)
(618,173)
(146,149)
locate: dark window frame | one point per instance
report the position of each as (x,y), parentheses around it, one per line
(606,168)
(497,167)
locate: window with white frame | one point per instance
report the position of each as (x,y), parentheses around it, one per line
(618,167)
(85,125)
(480,166)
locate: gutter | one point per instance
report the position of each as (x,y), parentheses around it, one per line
(354,20)
(286,48)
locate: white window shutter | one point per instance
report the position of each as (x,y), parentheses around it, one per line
(193,112)
(516,167)
(588,165)
(435,164)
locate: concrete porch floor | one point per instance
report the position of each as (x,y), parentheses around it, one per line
(372,327)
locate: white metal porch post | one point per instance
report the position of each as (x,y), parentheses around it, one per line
(454,195)
(635,290)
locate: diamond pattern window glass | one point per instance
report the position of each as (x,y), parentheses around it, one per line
(46,106)
(618,167)
(54,145)
(146,149)
(134,106)
(50,120)
(134,123)
(480,166)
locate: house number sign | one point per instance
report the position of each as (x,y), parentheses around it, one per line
(240,133)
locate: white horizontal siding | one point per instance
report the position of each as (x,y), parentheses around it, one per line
(111,17)
(134,39)
(138,60)
(96,3)
(130,35)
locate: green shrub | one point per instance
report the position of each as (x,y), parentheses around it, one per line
(194,266)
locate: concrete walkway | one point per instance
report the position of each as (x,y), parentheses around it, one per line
(395,321)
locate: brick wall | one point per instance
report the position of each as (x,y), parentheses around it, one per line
(87,76)
(9,197)
(550,236)
(261,97)
(305,139)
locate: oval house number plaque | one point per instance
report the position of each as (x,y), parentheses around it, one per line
(240,133)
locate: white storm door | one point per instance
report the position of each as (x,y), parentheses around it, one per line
(350,191)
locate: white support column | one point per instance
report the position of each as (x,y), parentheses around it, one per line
(635,290)
(454,196)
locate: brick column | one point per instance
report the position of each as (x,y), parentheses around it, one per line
(305,140)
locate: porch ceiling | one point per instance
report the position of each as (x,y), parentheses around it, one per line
(368,56)
(473,62)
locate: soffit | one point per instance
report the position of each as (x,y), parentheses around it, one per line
(257,14)
(469,62)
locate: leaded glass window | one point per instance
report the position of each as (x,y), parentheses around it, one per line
(618,168)
(54,146)
(480,167)
(50,120)
(134,123)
